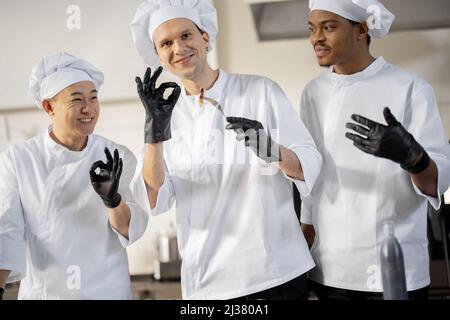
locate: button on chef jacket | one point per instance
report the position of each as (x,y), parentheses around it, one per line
(54,228)
(237,228)
(356,191)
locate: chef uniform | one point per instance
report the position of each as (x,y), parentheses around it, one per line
(55,234)
(237,229)
(356,191)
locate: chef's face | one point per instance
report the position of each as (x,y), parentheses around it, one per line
(333,37)
(181,47)
(75,110)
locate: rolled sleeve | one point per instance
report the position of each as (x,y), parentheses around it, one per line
(166,193)
(424,123)
(131,190)
(165,198)
(12,246)
(138,224)
(443,168)
(12,225)
(311,162)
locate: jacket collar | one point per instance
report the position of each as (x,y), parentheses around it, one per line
(348,79)
(60,150)
(215,92)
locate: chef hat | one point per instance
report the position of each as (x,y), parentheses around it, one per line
(152,13)
(58,71)
(378,18)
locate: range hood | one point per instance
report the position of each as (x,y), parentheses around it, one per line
(288,19)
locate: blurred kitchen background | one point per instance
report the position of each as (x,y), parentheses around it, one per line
(264,37)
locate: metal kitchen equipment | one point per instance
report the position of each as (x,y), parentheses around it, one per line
(168,264)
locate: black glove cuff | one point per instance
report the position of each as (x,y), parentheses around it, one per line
(151,138)
(268,155)
(420,166)
(155,133)
(114,202)
(1,293)
(273,145)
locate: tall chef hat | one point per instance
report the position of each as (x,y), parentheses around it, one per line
(378,18)
(56,72)
(152,13)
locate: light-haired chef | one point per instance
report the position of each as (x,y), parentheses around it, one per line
(237,229)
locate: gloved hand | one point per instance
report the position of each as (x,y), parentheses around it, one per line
(391,142)
(255,137)
(157,109)
(1,293)
(106,183)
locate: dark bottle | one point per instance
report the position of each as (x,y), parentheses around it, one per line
(392,266)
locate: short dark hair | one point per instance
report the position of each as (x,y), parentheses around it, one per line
(358,23)
(201,31)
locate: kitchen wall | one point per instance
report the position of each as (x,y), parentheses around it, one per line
(105,40)
(292,63)
(103,37)
(120,121)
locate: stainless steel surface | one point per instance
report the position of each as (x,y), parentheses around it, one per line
(167,270)
(145,287)
(11,292)
(168,249)
(168,264)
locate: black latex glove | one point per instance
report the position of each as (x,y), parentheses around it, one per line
(1,293)
(158,111)
(255,137)
(106,183)
(391,142)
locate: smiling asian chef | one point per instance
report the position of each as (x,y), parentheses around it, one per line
(65,215)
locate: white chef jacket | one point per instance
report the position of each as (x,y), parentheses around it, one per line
(237,229)
(55,234)
(356,191)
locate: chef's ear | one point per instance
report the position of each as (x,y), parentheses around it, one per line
(363,31)
(205,37)
(48,107)
(154,49)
